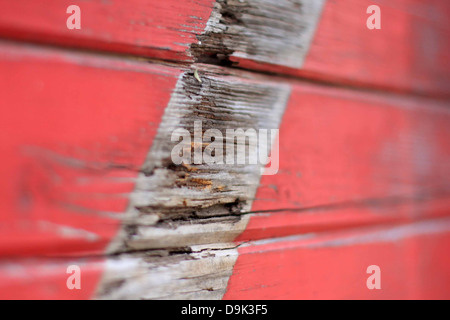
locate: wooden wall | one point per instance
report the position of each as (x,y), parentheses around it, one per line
(364,149)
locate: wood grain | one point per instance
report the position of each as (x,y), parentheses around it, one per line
(321,40)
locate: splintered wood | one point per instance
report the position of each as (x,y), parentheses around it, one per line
(88,179)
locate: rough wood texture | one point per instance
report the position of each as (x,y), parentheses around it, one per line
(202,273)
(174,197)
(103,186)
(275,32)
(322,40)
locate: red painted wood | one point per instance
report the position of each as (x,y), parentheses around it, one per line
(413,261)
(34,279)
(156,29)
(75,131)
(351,159)
(274,224)
(409,53)
(349,162)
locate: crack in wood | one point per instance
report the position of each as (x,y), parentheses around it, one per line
(276,32)
(175,208)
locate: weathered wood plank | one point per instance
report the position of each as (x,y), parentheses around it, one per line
(322,40)
(339,216)
(356,157)
(409,52)
(413,261)
(202,273)
(156,29)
